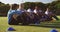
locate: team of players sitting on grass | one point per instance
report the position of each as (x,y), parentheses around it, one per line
(33,15)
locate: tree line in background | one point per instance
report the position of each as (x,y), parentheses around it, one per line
(55,6)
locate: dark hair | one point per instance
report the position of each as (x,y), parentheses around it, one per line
(31,6)
(14,6)
(21,4)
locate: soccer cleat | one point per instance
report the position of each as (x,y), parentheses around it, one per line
(11,29)
(54,30)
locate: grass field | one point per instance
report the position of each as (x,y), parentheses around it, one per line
(43,27)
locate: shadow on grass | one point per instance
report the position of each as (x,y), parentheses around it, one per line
(46,26)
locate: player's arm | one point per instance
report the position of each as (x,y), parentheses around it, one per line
(15,16)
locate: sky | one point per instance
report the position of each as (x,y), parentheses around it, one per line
(22,1)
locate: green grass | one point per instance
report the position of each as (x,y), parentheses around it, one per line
(43,27)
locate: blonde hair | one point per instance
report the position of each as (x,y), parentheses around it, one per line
(21,6)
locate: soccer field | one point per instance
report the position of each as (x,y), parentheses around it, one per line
(43,27)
